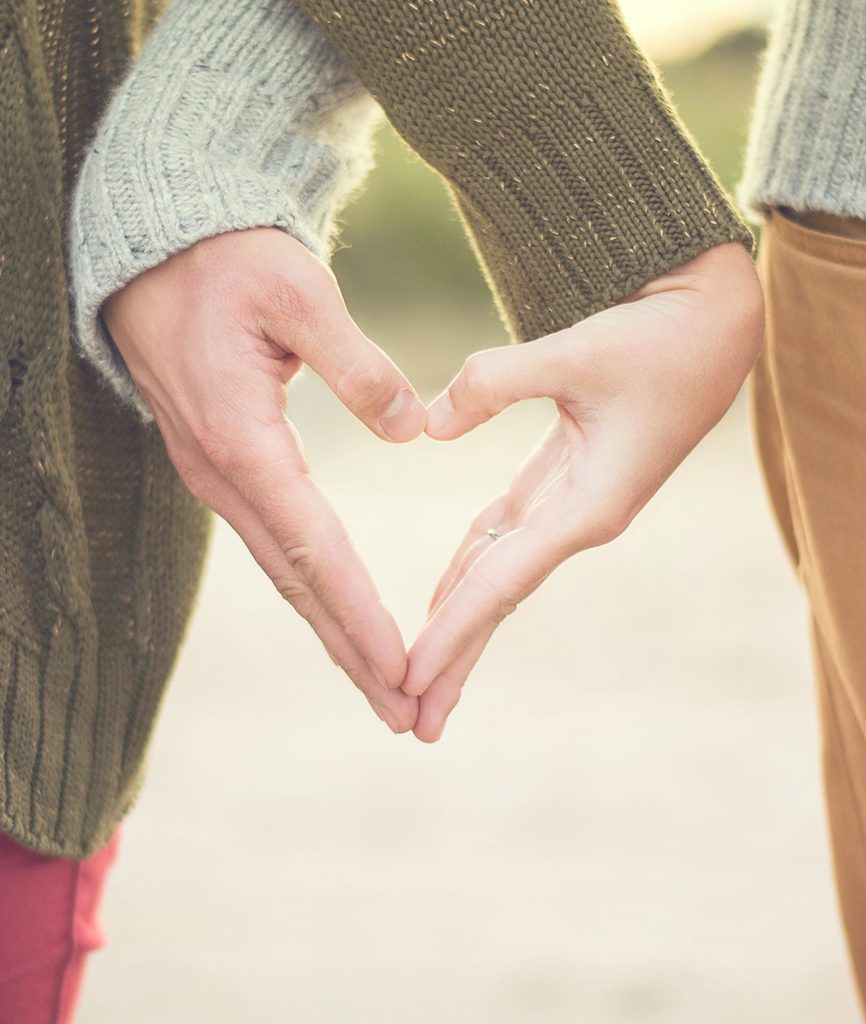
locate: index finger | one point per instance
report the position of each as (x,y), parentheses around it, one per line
(268,469)
(491,588)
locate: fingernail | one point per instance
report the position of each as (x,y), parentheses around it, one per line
(404,418)
(385,715)
(439,413)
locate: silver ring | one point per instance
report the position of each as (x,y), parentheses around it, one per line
(492,534)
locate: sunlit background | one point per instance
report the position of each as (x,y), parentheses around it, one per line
(675,28)
(623,822)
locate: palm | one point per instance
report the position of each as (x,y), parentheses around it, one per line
(540,499)
(548,485)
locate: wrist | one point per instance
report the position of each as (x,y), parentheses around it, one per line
(726,277)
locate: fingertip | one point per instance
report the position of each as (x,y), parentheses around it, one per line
(450,433)
(407,717)
(431,722)
(440,416)
(414,687)
(455,426)
(402,728)
(383,648)
(417,679)
(400,718)
(427,734)
(390,678)
(404,419)
(397,727)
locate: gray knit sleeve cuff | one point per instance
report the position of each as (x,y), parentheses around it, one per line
(807,148)
(237,114)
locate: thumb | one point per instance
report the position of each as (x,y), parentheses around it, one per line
(495,378)
(369,384)
(313,322)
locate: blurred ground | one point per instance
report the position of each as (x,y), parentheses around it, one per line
(623,822)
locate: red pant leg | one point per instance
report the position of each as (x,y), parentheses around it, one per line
(48,925)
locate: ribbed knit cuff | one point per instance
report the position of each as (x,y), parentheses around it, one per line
(575,177)
(807,146)
(237,114)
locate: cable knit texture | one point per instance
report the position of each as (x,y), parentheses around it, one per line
(574,176)
(101,546)
(239,113)
(807,144)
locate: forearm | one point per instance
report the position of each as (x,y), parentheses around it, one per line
(574,177)
(238,113)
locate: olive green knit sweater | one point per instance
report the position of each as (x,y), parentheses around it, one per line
(577,185)
(574,176)
(101,547)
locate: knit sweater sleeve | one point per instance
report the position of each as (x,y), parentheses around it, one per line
(573,174)
(237,114)
(807,147)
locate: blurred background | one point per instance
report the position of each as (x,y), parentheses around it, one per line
(623,821)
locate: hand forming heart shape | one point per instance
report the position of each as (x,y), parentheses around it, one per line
(213,336)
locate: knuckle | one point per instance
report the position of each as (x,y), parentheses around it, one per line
(296,594)
(369,383)
(302,561)
(221,451)
(501,605)
(609,522)
(450,691)
(478,382)
(194,477)
(455,696)
(189,467)
(231,448)
(297,297)
(604,532)
(358,672)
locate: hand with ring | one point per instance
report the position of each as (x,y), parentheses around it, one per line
(636,387)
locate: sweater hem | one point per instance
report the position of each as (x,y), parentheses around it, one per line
(758,202)
(50,846)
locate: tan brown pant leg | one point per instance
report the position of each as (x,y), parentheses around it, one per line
(771,447)
(808,396)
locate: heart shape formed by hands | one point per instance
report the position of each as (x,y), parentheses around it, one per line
(213,336)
